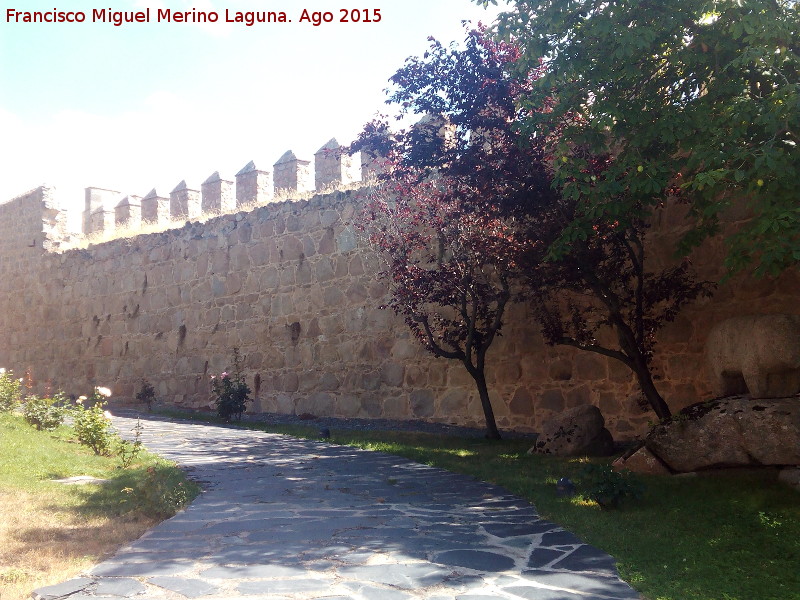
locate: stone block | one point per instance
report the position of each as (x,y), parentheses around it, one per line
(318,403)
(348,406)
(589,365)
(421,403)
(404,349)
(561,369)
(323,270)
(521,403)
(396,408)
(329,382)
(453,403)
(357,293)
(290,248)
(416,376)
(333,296)
(329,218)
(552,399)
(392,374)
(346,240)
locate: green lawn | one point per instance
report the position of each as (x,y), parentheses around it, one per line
(51,531)
(731,535)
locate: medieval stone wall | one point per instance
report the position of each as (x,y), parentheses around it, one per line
(294,288)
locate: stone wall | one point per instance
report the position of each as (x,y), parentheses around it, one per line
(294,288)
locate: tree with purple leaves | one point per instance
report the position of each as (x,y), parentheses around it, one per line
(467,216)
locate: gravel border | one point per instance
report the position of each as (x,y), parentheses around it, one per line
(335,423)
(412,425)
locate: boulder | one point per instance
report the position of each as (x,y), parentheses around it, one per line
(642,461)
(578,431)
(759,354)
(730,432)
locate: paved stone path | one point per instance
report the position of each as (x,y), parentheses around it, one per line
(282,518)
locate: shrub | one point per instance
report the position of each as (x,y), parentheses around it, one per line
(10,391)
(231,391)
(608,487)
(147,394)
(128,451)
(93,427)
(45,413)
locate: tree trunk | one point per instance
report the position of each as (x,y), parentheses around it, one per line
(651,393)
(492,432)
(627,342)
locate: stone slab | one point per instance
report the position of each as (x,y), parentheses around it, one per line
(479,560)
(191,588)
(62,590)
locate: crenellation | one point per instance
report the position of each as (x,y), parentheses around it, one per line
(184,202)
(98,199)
(293,174)
(128,213)
(155,208)
(217,195)
(372,165)
(102,220)
(253,186)
(333,166)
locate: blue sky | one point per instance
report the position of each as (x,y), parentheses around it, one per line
(146,105)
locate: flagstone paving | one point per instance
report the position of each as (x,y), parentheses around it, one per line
(282,518)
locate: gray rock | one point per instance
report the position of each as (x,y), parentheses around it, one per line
(731,432)
(579,431)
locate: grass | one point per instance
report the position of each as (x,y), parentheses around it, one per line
(724,535)
(49,532)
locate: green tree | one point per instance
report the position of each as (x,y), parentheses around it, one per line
(481,169)
(698,99)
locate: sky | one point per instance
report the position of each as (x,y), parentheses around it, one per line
(146,105)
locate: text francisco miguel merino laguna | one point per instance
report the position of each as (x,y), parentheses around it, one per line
(166,15)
